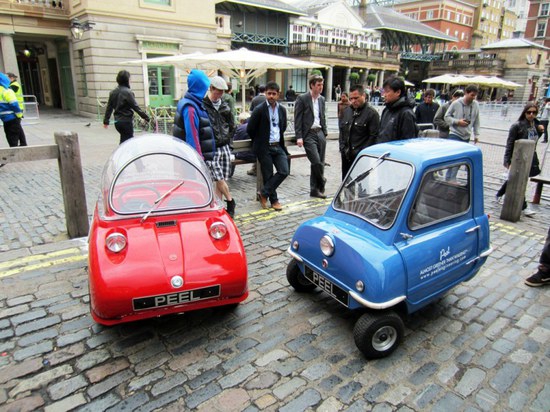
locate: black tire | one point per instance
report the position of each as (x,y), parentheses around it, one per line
(378,335)
(296,278)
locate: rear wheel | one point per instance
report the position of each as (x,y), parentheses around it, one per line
(378,335)
(297,279)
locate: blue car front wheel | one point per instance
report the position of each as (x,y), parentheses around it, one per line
(377,335)
(297,279)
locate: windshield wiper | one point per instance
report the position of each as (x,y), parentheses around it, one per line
(378,162)
(160,199)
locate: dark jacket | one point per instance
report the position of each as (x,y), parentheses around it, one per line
(256,101)
(303,115)
(425,112)
(123,102)
(222,122)
(519,130)
(191,123)
(359,129)
(259,128)
(397,121)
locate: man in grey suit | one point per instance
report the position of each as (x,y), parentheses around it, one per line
(311,132)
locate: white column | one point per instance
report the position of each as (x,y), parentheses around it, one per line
(328,85)
(380,78)
(9,57)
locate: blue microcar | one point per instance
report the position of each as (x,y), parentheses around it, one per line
(406,225)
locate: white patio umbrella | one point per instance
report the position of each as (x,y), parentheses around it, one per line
(448,78)
(243,63)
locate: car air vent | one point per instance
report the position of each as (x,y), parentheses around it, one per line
(167,223)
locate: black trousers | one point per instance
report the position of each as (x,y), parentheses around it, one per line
(14,133)
(126,130)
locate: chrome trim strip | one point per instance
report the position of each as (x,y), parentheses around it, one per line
(293,254)
(486,253)
(372,305)
(473,229)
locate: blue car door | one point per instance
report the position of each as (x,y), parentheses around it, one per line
(441,247)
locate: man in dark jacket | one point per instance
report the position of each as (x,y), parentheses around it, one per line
(426,110)
(359,127)
(266,128)
(398,119)
(223,125)
(123,103)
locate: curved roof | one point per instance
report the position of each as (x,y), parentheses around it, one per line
(514,44)
(274,5)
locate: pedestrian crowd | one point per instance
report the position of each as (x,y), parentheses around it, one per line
(206,119)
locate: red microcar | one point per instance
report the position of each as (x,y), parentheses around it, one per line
(160,241)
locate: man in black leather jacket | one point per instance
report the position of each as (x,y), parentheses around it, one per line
(223,125)
(359,127)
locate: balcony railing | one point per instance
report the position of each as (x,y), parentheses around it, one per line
(36,8)
(457,64)
(51,4)
(315,49)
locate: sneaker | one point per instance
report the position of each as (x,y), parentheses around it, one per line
(538,279)
(251,172)
(529,212)
(499,199)
(277,206)
(2,164)
(231,207)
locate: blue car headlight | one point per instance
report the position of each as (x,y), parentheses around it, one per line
(327,246)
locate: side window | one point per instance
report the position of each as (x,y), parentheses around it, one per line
(444,194)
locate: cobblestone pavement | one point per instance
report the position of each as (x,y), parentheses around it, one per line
(484,346)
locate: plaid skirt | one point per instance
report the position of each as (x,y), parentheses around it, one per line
(220,165)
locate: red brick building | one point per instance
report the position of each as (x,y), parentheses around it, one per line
(452,17)
(538,24)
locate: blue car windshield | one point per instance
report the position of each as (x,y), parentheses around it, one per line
(374,190)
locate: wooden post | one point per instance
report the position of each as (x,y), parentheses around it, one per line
(517,180)
(72,184)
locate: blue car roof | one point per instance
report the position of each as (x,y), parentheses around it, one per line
(423,152)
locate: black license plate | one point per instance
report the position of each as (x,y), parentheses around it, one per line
(176,298)
(326,285)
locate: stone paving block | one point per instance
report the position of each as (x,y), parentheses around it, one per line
(470,381)
(427,395)
(202,395)
(33,350)
(376,391)
(447,373)
(309,398)
(19,370)
(489,359)
(152,363)
(107,384)
(272,356)
(487,399)
(101,404)
(72,338)
(263,380)
(541,335)
(505,377)
(237,377)
(8,313)
(143,381)
(28,404)
(168,383)
(40,380)
(66,387)
(101,372)
(449,402)
(20,300)
(287,388)
(347,392)
(35,325)
(518,401)
(503,346)
(330,405)
(91,359)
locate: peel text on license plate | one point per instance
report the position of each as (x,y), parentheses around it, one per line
(333,290)
(176,298)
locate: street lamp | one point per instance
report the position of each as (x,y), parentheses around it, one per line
(78,28)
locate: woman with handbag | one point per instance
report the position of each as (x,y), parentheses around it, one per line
(527,127)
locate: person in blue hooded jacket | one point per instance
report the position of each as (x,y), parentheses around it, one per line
(10,113)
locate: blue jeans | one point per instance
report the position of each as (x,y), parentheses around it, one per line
(275,156)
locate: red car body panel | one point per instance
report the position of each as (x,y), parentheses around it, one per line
(137,282)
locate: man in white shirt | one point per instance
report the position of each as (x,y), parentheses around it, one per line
(311,132)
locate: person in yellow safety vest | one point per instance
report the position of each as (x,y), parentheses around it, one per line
(11,114)
(16,87)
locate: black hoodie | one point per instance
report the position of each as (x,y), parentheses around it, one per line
(398,121)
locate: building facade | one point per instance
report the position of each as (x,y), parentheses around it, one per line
(452,17)
(538,22)
(77,71)
(493,22)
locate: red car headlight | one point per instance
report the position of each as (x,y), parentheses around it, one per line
(116,242)
(218,230)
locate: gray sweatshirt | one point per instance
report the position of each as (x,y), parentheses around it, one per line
(459,110)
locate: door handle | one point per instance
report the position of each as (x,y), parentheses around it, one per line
(473,229)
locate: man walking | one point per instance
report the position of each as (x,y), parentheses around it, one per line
(398,120)
(359,127)
(463,116)
(266,128)
(426,110)
(223,126)
(311,132)
(11,114)
(18,90)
